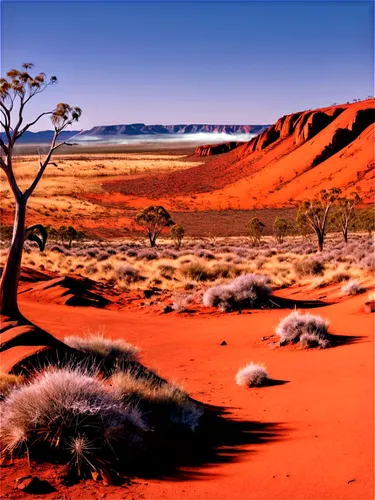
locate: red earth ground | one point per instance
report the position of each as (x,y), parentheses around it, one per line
(321,418)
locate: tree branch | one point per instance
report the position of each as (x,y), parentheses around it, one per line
(31,124)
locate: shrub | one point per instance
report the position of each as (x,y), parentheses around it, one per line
(280,228)
(307,267)
(91,269)
(147,254)
(177,233)
(64,412)
(310,340)
(167,271)
(246,291)
(181,301)
(252,375)
(255,229)
(103,347)
(353,287)
(306,328)
(161,403)
(102,256)
(195,271)
(127,273)
(132,253)
(204,254)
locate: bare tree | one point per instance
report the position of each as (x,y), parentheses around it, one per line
(314,213)
(16,91)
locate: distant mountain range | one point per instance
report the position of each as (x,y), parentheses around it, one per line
(136,129)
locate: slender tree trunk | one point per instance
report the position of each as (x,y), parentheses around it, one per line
(12,269)
(345,234)
(320,236)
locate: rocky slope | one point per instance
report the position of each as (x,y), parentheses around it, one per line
(296,157)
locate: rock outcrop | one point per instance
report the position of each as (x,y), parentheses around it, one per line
(216,149)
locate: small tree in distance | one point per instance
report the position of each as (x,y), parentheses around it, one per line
(16,91)
(255,229)
(314,213)
(280,228)
(367,220)
(345,214)
(177,233)
(154,219)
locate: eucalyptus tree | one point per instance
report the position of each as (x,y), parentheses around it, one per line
(314,213)
(17,89)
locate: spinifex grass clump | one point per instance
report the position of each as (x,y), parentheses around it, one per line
(353,287)
(163,404)
(252,375)
(308,329)
(100,346)
(68,415)
(247,291)
(77,418)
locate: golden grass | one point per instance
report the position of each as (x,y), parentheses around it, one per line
(61,192)
(188,270)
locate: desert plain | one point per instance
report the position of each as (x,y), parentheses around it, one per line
(306,434)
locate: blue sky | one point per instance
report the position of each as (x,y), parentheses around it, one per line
(192,62)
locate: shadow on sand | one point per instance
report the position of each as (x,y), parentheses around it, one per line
(219,440)
(339,340)
(284,303)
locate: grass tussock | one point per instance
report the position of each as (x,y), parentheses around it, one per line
(101,346)
(74,416)
(130,264)
(252,375)
(162,404)
(64,412)
(247,291)
(353,287)
(308,329)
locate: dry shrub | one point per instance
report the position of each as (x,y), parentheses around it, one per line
(247,291)
(67,412)
(182,301)
(252,375)
(308,329)
(98,345)
(127,273)
(353,287)
(195,271)
(161,403)
(308,267)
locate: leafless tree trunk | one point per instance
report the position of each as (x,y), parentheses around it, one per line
(11,273)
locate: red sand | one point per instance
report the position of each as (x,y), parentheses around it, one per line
(324,413)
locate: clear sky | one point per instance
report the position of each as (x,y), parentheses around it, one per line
(192,62)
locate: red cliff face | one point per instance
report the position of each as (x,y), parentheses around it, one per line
(295,158)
